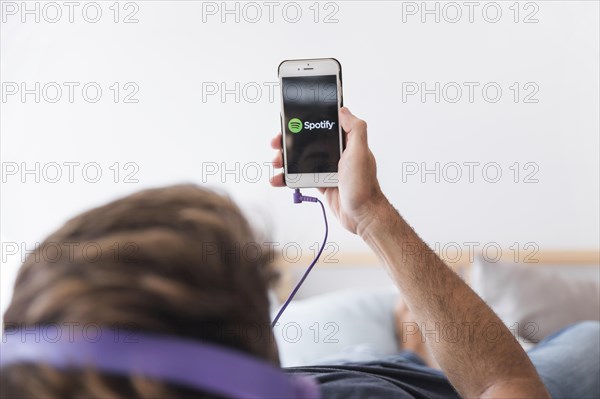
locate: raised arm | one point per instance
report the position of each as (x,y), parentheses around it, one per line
(481,358)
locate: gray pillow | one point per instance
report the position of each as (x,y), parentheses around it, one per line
(537,300)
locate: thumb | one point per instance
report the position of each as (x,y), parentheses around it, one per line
(352,125)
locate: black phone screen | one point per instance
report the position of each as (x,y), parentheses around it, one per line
(311,125)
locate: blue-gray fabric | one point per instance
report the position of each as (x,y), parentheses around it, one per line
(568,363)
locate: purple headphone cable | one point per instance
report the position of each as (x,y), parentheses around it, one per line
(299,198)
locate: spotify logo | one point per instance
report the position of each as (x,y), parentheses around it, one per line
(295,125)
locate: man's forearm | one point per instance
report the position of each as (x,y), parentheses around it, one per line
(480,356)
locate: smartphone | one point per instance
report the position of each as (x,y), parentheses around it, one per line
(313,140)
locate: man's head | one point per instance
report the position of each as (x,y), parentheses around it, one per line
(170,261)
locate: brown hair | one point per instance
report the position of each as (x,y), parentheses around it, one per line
(180,260)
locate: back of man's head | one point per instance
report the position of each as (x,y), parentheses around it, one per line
(168,261)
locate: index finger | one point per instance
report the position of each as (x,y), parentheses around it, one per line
(276,142)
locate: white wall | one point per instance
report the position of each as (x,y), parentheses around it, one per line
(171,54)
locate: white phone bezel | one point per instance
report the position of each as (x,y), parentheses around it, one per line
(294,68)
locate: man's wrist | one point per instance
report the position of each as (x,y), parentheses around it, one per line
(379,218)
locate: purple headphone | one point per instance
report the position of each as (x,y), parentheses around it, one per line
(201,366)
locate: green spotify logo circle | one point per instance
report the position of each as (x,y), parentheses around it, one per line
(295,125)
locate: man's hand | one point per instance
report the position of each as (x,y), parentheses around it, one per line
(358,195)
(438,298)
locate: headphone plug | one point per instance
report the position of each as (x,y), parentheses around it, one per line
(299,198)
